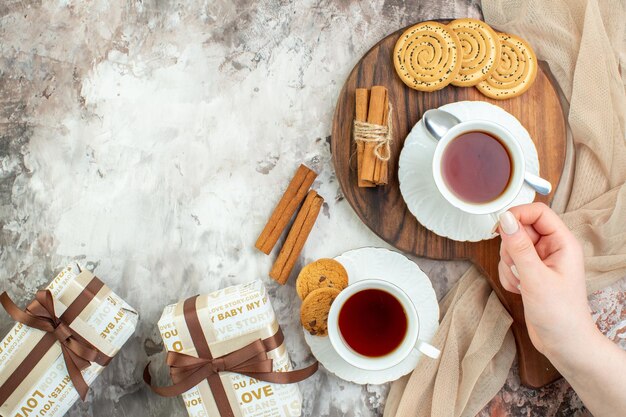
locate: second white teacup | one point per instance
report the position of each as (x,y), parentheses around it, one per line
(407,342)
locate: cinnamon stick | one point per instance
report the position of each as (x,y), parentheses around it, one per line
(296,238)
(375,115)
(286,207)
(362,103)
(381,170)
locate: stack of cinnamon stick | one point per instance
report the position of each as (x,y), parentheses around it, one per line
(371,107)
(290,202)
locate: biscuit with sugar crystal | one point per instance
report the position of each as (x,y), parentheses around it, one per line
(515,73)
(427,56)
(480,51)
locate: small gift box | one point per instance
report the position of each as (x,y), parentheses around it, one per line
(61,343)
(227,357)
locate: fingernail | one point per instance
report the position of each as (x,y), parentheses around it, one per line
(519,287)
(508,223)
(514,270)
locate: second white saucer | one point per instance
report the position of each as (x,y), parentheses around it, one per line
(367,263)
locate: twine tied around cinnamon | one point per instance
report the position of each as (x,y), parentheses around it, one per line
(378,134)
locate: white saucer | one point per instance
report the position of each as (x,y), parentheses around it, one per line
(391,266)
(418,186)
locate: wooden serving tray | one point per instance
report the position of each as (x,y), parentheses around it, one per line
(383,209)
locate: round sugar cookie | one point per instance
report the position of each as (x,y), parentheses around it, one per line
(514,74)
(480,51)
(315,308)
(322,273)
(427,55)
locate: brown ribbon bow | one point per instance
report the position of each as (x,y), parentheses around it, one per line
(78,353)
(251,360)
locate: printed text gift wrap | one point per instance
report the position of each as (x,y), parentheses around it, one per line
(227,357)
(60,343)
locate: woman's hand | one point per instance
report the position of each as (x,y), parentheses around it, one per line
(541,259)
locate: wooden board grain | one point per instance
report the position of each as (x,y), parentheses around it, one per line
(383,210)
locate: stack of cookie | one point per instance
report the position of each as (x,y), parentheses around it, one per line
(318,285)
(464,53)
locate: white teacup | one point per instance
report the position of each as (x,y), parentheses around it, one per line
(409,343)
(518,167)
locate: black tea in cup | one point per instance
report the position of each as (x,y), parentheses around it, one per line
(476,167)
(373,322)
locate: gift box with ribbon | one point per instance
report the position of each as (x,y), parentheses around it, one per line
(227,357)
(61,342)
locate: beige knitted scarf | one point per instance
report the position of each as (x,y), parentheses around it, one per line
(584,43)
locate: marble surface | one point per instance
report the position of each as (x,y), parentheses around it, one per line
(150,139)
